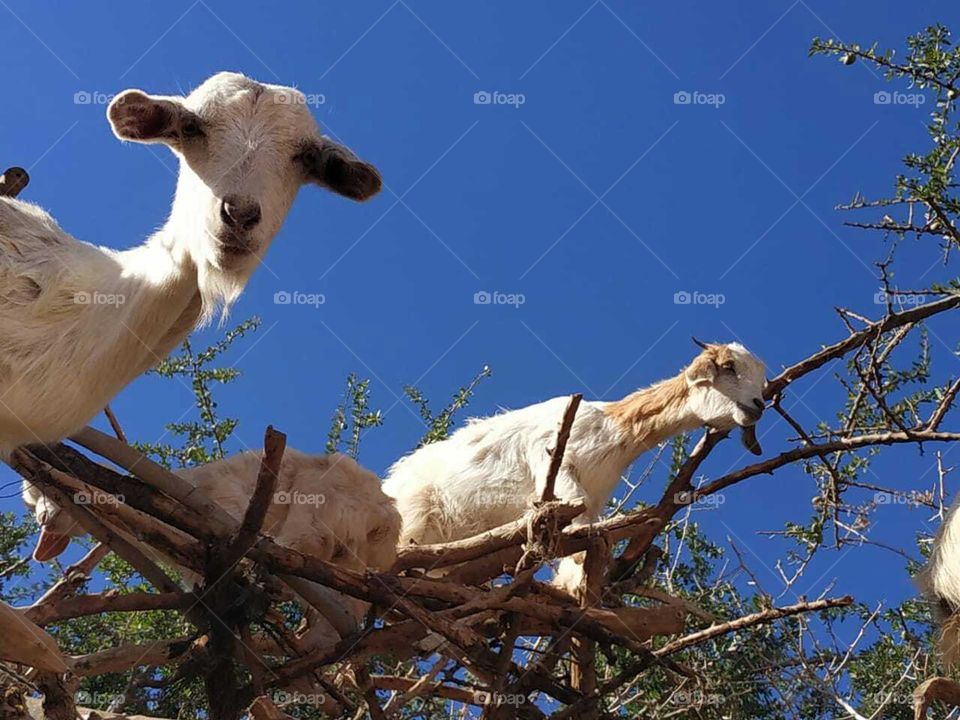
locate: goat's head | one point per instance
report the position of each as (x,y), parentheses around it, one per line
(56,526)
(245,149)
(726,388)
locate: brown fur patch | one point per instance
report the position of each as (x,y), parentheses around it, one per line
(649,412)
(949,641)
(651,415)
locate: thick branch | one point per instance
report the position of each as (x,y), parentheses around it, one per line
(855,340)
(560,446)
(72,607)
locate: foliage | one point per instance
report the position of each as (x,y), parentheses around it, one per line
(852,662)
(352,413)
(203,438)
(439,425)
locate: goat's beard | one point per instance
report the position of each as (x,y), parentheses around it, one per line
(220,288)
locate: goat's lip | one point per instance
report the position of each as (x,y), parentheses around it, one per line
(753,414)
(236,244)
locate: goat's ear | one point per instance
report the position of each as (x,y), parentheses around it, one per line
(335,167)
(702,371)
(139,117)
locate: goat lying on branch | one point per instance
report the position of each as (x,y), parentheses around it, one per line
(325,506)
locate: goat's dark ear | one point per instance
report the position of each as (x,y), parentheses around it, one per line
(139,117)
(335,167)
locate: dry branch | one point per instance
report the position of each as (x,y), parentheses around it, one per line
(124,657)
(82,605)
(274,444)
(36,471)
(23,642)
(758,618)
(855,340)
(560,446)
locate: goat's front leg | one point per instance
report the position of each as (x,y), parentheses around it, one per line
(569,575)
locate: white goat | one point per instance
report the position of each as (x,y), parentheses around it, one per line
(939,581)
(488,472)
(79,322)
(327,506)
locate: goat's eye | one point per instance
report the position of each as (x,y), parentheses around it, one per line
(191,129)
(728,367)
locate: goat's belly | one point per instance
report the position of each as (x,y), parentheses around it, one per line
(483,507)
(46,410)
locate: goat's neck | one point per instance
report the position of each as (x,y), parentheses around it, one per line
(649,416)
(161,289)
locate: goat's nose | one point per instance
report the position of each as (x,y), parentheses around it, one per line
(240,212)
(759,404)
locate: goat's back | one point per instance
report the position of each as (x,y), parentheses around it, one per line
(324,505)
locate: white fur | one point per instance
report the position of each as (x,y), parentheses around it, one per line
(939,581)
(79,322)
(488,472)
(325,506)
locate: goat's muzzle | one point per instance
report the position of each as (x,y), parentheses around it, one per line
(748,433)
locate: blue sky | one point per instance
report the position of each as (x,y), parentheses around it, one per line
(585,188)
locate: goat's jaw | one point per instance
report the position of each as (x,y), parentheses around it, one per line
(233,245)
(748,436)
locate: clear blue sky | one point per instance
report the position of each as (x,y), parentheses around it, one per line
(597,199)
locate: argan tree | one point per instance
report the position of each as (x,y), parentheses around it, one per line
(670,622)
